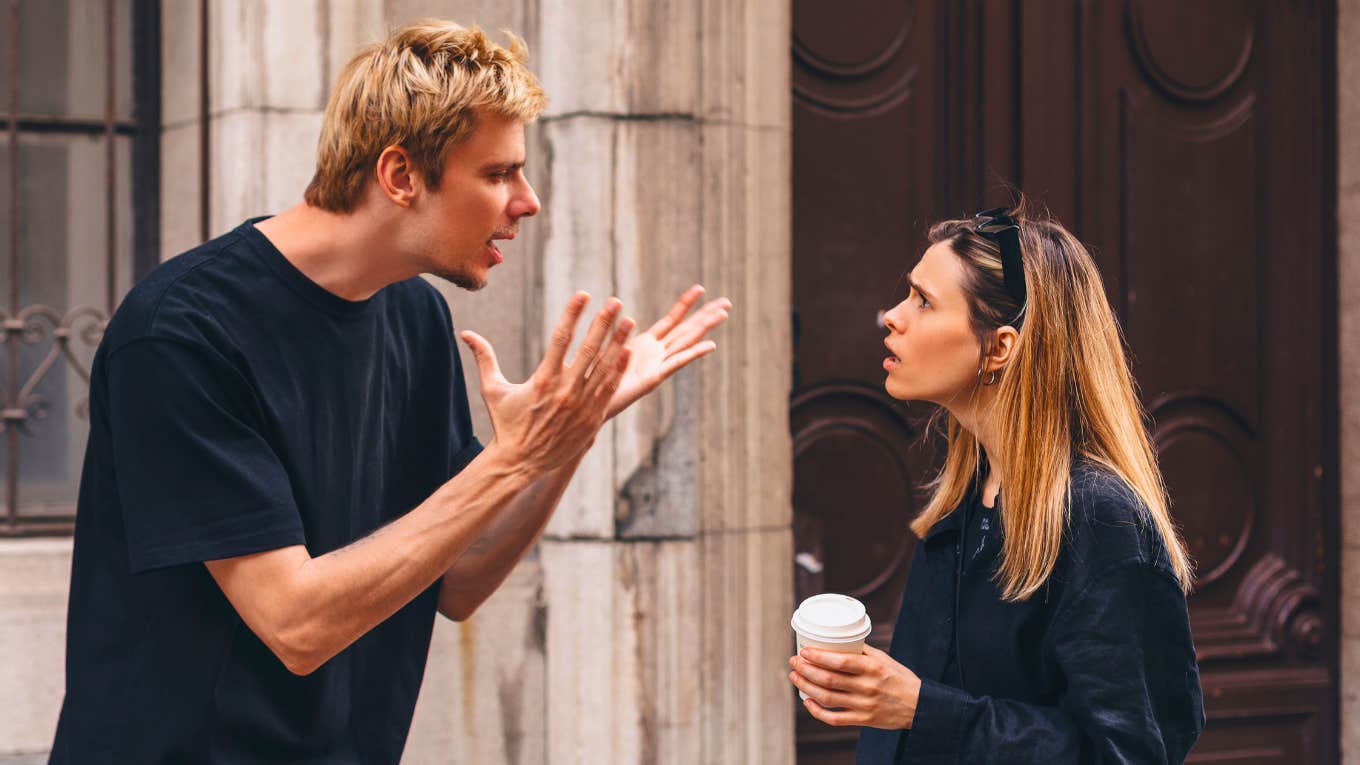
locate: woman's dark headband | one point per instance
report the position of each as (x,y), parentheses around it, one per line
(998,226)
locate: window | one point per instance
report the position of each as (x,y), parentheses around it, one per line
(79,178)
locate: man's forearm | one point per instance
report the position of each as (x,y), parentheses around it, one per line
(506,539)
(309,609)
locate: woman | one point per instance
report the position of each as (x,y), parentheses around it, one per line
(1044,619)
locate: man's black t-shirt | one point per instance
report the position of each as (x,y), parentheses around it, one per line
(236,407)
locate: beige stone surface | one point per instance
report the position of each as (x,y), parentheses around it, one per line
(34,582)
(261,163)
(491,15)
(746,245)
(623,650)
(483,695)
(746,603)
(181,59)
(1348,273)
(744,52)
(1350,700)
(1348,95)
(1350,592)
(1348,267)
(616,56)
(266,54)
(181,189)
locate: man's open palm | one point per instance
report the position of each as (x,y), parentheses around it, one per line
(670,344)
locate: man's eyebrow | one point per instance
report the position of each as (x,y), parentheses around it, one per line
(502,167)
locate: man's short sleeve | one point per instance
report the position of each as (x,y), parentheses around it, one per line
(197,480)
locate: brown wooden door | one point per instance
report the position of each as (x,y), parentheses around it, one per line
(1189,145)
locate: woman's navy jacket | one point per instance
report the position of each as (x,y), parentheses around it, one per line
(1095,667)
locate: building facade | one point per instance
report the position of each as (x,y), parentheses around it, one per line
(651,623)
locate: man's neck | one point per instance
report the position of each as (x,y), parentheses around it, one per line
(346,254)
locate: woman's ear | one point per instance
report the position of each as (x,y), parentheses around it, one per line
(396,177)
(1002,350)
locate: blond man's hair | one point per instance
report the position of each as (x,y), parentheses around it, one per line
(421,89)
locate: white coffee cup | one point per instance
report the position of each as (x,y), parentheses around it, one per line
(831,622)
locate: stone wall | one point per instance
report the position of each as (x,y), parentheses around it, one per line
(1348,284)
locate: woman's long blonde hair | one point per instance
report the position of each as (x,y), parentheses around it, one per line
(1067,393)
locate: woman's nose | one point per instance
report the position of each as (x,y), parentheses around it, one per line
(886,320)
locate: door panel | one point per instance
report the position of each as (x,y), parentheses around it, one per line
(1187,144)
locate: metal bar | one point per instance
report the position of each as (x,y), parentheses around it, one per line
(42,123)
(204,156)
(111,170)
(11,516)
(146,162)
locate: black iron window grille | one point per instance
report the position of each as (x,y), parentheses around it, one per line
(79,188)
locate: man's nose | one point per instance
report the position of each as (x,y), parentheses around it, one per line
(525,204)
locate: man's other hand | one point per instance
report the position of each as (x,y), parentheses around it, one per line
(671,344)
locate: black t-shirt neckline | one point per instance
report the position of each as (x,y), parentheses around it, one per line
(299,282)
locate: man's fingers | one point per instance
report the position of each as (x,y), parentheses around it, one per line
(563,332)
(488,368)
(680,360)
(595,339)
(695,327)
(687,300)
(608,362)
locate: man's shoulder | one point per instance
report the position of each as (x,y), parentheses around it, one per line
(187,287)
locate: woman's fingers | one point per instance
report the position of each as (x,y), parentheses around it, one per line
(827,678)
(849,663)
(833,716)
(831,699)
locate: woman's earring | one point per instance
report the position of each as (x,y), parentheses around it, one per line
(992,380)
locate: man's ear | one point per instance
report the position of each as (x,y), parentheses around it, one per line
(397,177)
(1002,351)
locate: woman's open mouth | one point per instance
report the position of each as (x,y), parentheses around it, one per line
(891,363)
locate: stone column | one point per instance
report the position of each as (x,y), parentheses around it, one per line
(1348,305)
(666,569)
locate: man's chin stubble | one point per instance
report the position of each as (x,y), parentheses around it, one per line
(466,281)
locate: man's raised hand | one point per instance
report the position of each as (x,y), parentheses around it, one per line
(668,346)
(552,417)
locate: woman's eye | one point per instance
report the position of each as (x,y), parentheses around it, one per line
(924,303)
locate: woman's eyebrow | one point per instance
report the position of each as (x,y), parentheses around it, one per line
(916,286)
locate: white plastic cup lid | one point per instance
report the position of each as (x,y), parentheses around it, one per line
(832,618)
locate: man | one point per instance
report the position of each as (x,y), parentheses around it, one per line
(281,485)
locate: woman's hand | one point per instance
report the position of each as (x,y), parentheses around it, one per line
(856,689)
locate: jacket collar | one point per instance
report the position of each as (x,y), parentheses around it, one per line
(954,521)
